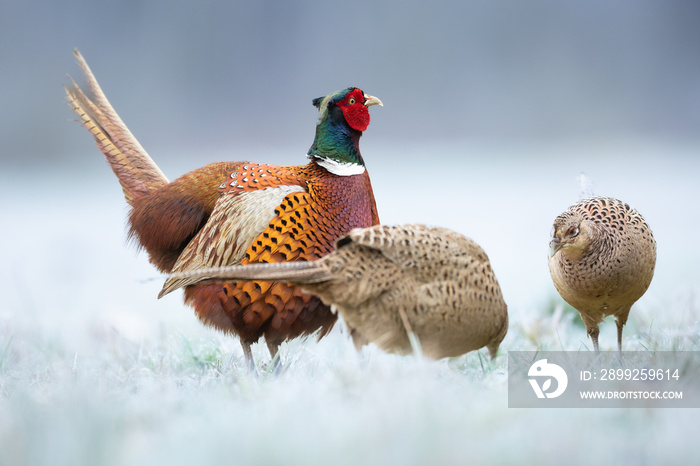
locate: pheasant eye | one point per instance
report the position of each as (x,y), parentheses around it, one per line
(351,101)
(572,231)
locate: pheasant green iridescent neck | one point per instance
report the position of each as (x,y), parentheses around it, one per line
(335,141)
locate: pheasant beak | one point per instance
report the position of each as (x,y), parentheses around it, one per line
(371,100)
(554,246)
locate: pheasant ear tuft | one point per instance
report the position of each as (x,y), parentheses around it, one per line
(317,102)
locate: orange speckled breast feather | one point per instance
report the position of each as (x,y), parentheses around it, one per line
(319,208)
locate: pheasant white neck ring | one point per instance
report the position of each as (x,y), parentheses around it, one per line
(341,168)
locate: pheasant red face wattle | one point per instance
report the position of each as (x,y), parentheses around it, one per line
(355,111)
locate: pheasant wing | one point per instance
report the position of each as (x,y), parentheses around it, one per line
(235,224)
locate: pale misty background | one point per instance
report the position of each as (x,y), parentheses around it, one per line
(196,77)
(492,108)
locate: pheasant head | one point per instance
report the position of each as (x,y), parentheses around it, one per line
(573,235)
(342,117)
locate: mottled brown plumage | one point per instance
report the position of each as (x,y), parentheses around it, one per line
(602,258)
(388,280)
(241,212)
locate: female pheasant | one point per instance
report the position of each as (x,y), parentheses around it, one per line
(241,212)
(388,282)
(602,259)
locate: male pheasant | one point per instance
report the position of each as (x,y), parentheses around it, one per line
(241,212)
(390,281)
(602,259)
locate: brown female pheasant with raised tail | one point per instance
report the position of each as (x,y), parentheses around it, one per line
(389,282)
(230,213)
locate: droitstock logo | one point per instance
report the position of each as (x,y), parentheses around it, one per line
(609,379)
(542,370)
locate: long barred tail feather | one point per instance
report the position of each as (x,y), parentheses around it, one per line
(290,272)
(137,172)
